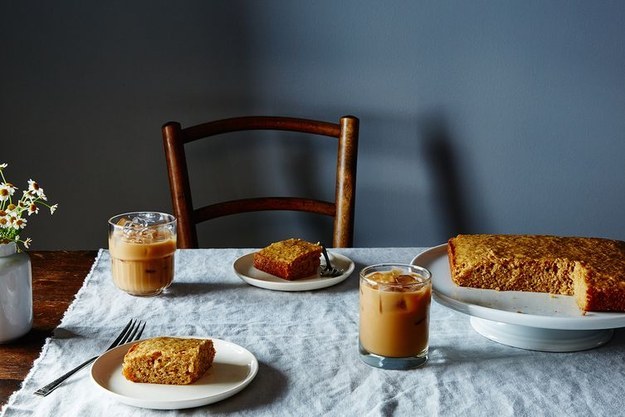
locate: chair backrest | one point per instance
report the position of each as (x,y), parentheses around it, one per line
(342,209)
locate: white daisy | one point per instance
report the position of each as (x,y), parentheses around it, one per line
(33,209)
(4,220)
(18,222)
(6,191)
(34,188)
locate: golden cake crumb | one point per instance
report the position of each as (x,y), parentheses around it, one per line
(168,360)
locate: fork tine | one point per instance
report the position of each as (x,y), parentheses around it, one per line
(121,335)
(133,333)
(128,334)
(139,333)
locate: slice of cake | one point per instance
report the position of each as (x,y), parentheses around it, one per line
(591,269)
(168,360)
(289,259)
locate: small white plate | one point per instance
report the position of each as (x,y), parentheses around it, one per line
(233,369)
(521,319)
(244,268)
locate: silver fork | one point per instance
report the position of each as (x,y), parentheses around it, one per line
(130,333)
(328,270)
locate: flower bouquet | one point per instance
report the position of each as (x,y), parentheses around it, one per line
(12,209)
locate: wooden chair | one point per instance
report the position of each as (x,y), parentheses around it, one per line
(342,209)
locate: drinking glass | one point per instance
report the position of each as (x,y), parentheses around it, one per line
(142,246)
(394,315)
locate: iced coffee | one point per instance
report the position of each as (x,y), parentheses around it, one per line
(142,247)
(394,315)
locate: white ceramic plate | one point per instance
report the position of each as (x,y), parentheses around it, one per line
(521,319)
(233,369)
(244,268)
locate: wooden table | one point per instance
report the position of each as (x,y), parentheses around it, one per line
(57,276)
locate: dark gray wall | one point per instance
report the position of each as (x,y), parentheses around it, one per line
(479,116)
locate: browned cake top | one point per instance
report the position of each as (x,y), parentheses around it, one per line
(167,346)
(289,250)
(604,256)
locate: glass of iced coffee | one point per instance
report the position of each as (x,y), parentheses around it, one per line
(394,315)
(142,247)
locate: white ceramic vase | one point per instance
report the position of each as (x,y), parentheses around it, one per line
(16,293)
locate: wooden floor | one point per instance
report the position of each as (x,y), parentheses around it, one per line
(57,276)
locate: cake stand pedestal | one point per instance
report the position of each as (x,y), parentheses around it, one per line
(535,338)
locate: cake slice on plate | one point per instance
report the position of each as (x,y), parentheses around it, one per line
(289,259)
(168,360)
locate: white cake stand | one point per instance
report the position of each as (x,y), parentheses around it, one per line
(534,321)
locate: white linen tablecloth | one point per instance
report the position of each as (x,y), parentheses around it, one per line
(306,345)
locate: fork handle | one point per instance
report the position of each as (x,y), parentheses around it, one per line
(43,391)
(325,255)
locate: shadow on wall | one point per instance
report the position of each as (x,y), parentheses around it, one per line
(410,188)
(450,199)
